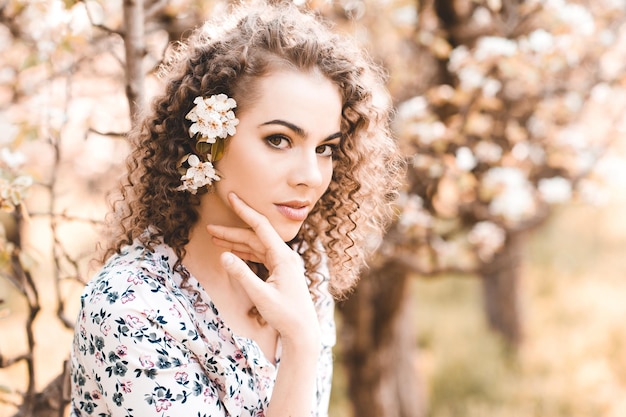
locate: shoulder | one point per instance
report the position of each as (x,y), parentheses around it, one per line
(135,277)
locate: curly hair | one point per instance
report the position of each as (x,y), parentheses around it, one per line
(228,56)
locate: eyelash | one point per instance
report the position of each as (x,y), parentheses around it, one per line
(270,141)
(327,147)
(330,147)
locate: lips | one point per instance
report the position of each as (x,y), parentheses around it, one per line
(294,210)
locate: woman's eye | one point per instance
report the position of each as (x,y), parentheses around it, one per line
(278,141)
(326,150)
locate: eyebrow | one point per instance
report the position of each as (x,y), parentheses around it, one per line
(297,129)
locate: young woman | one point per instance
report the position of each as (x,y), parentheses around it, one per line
(256,184)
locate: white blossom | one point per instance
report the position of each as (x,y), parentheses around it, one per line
(427,132)
(574,101)
(513,205)
(493,46)
(541,41)
(481,16)
(413,214)
(511,194)
(198,175)
(488,152)
(532,151)
(12,159)
(13,192)
(577,17)
(9,130)
(555,190)
(491,87)
(465,159)
(213,117)
(458,57)
(536,126)
(470,78)
(416,107)
(46,22)
(601,92)
(488,238)
(405,15)
(521,151)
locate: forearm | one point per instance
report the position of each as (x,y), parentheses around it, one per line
(293,394)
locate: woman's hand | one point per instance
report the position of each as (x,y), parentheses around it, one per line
(283,300)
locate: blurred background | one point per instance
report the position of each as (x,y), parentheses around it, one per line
(499,289)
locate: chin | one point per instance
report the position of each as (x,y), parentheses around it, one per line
(287,234)
(288,238)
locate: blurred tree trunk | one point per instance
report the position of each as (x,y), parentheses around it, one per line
(378,340)
(500,282)
(134,46)
(500,278)
(53,400)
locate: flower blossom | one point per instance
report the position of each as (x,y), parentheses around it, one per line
(510,194)
(555,190)
(198,175)
(465,159)
(413,215)
(12,192)
(213,118)
(488,239)
(12,159)
(488,152)
(494,46)
(162,404)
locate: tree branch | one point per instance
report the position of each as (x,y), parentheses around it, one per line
(135,51)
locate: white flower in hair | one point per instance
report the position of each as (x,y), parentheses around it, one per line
(198,175)
(213,118)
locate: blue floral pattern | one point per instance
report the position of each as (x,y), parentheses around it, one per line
(144,345)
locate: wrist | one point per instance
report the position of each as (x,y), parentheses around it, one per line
(303,344)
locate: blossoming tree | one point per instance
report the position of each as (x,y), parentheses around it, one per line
(495,137)
(71,74)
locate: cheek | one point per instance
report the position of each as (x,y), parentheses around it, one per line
(330,172)
(243,178)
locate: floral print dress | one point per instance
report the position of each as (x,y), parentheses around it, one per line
(146,346)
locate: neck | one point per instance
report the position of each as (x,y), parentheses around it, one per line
(202,260)
(202,256)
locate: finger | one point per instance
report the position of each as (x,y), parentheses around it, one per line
(244,253)
(237,236)
(259,223)
(247,256)
(232,246)
(239,271)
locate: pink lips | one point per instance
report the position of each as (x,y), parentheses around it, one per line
(294,210)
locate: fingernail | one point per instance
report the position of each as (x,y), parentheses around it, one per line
(227,258)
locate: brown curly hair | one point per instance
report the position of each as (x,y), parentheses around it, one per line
(228,56)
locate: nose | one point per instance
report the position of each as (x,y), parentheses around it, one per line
(308,169)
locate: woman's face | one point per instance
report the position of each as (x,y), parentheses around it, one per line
(280,161)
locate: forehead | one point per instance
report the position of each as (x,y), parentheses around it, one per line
(305,98)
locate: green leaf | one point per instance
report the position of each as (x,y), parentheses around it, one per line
(203,148)
(217,150)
